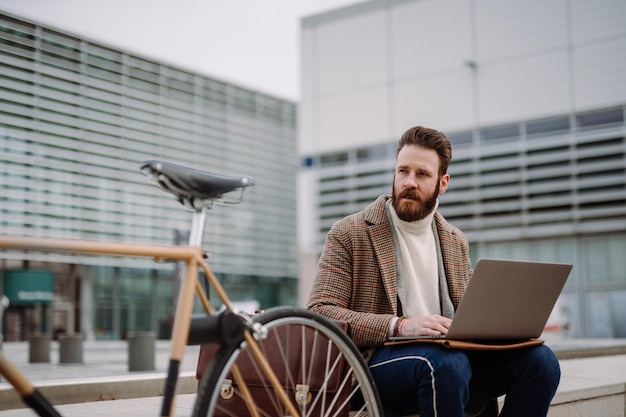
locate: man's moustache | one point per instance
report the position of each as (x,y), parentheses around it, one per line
(409,194)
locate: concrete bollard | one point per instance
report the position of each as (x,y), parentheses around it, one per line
(71,348)
(141,351)
(39,348)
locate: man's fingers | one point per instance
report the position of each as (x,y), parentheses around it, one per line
(427,326)
(439,321)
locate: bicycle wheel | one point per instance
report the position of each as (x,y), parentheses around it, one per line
(318,365)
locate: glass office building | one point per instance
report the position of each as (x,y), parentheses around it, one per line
(77,119)
(533,98)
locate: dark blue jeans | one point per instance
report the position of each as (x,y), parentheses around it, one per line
(434,381)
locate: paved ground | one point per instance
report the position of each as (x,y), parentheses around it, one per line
(100,359)
(136,407)
(104,362)
(585,365)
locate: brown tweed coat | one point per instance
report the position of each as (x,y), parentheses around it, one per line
(356,278)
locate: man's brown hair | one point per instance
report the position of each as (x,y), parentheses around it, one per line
(430,139)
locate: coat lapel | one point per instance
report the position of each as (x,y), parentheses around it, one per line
(451,255)
(382,243)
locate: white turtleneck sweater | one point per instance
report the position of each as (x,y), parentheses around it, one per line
(418,289)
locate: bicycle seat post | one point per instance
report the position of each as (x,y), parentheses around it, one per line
(198,222)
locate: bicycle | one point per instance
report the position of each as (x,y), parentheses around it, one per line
(248,348)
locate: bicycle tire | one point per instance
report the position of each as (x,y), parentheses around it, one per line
(363,396)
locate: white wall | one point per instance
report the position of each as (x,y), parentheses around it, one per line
(600,74)
(431,85)
(372,70)
(595,20)
(511,30)
(345,102)
(526,88)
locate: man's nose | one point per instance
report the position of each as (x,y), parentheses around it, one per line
(410,181)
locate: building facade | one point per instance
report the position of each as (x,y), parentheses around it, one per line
(533,98)
(77,119)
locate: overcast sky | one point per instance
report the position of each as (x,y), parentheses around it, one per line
(253,43)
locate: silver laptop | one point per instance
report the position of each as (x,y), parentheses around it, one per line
(507,300)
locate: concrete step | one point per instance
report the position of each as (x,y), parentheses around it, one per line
(592,385)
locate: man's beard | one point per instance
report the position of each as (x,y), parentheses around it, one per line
(417,211)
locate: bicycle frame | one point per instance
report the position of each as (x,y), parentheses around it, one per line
(193,257)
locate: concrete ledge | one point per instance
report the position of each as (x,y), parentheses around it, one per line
(100,389)
(590,352)
(586,348)
(591,386)
(604,401)
(565,397)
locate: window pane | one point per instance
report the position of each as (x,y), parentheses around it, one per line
(595,250)
(460,138)
(548,126)
(599,118)
(617,259)
(499,133)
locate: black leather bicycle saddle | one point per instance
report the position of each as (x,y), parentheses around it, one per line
(191,186)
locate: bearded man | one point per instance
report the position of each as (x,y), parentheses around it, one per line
(398,268)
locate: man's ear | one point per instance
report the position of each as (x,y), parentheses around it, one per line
(443,183)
